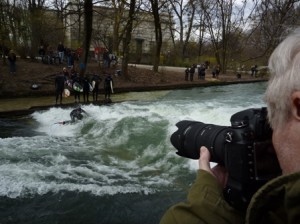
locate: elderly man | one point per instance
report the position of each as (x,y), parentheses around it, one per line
(278,201)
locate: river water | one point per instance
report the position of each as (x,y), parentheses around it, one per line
(117,165)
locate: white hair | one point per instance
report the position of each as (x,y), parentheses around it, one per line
(284,66)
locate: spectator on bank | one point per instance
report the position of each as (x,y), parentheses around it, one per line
(213,72)
(254,70)
(95,83)
(86,88)
(49,54)
(61,51)
(199,71)
(12,58)
(70,58)
(108,83)
(106,59)
(59,87)
(42,52)
(217,71)
(202,71)
(192,72)
(75,79)
(113,59)
(66,73)
(186,73)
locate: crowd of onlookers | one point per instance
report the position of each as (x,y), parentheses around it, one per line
(200,70)
(76,84)
(59,55)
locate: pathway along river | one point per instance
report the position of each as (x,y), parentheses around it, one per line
(115,166)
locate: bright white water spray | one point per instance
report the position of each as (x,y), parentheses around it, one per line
(121,148)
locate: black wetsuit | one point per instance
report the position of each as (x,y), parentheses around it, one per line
(59,87)
(86,89)
(77,114)
(97,80)
(75,78)
(107,87)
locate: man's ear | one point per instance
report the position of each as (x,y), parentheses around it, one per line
(296,105)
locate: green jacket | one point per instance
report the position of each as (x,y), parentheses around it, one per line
(276,202)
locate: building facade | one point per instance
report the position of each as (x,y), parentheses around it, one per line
(108,32)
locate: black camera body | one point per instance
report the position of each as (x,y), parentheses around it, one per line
(245,149)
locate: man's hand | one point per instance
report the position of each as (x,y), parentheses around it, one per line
(218,171)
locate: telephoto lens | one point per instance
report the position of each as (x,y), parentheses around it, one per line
(191,135)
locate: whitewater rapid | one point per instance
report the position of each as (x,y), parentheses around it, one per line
(121,148)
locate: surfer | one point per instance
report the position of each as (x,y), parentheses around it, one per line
(75,114)
(108,82)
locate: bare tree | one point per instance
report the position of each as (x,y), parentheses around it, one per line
(5,14)
(88,27)
(119,12)
(185,15)
(127,40)
(272,20)
(35,8)
(222,19)
(156,8)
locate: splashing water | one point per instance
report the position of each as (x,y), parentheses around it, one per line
(119,149)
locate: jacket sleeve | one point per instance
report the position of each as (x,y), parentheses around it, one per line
(205,204)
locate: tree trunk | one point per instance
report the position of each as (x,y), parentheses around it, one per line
(126,42)
(158,34)
(88,22)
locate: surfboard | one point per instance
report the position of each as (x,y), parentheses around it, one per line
(64,122)
(91,87)
(69,83)
(66,93)
(77,87)
(35,86)
(111,87)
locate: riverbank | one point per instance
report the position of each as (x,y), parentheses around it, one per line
(17,97)
(27,105)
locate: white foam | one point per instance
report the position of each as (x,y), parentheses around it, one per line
(121,148)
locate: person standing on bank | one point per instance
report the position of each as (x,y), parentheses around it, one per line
(202,71)
(217,71)
(65,73)
(278,200)
(192,72)
(86,88)
(254,71)
(61,51)
(75,79)
(12,58)
(95,82)
(108,82)
(59,87)
(186,73)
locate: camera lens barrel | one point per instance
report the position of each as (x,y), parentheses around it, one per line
(191,135)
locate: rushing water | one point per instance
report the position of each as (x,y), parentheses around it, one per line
(115,166)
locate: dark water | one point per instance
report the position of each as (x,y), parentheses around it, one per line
(115,166)
(72,207)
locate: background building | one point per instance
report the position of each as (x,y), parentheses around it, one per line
(105,36)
